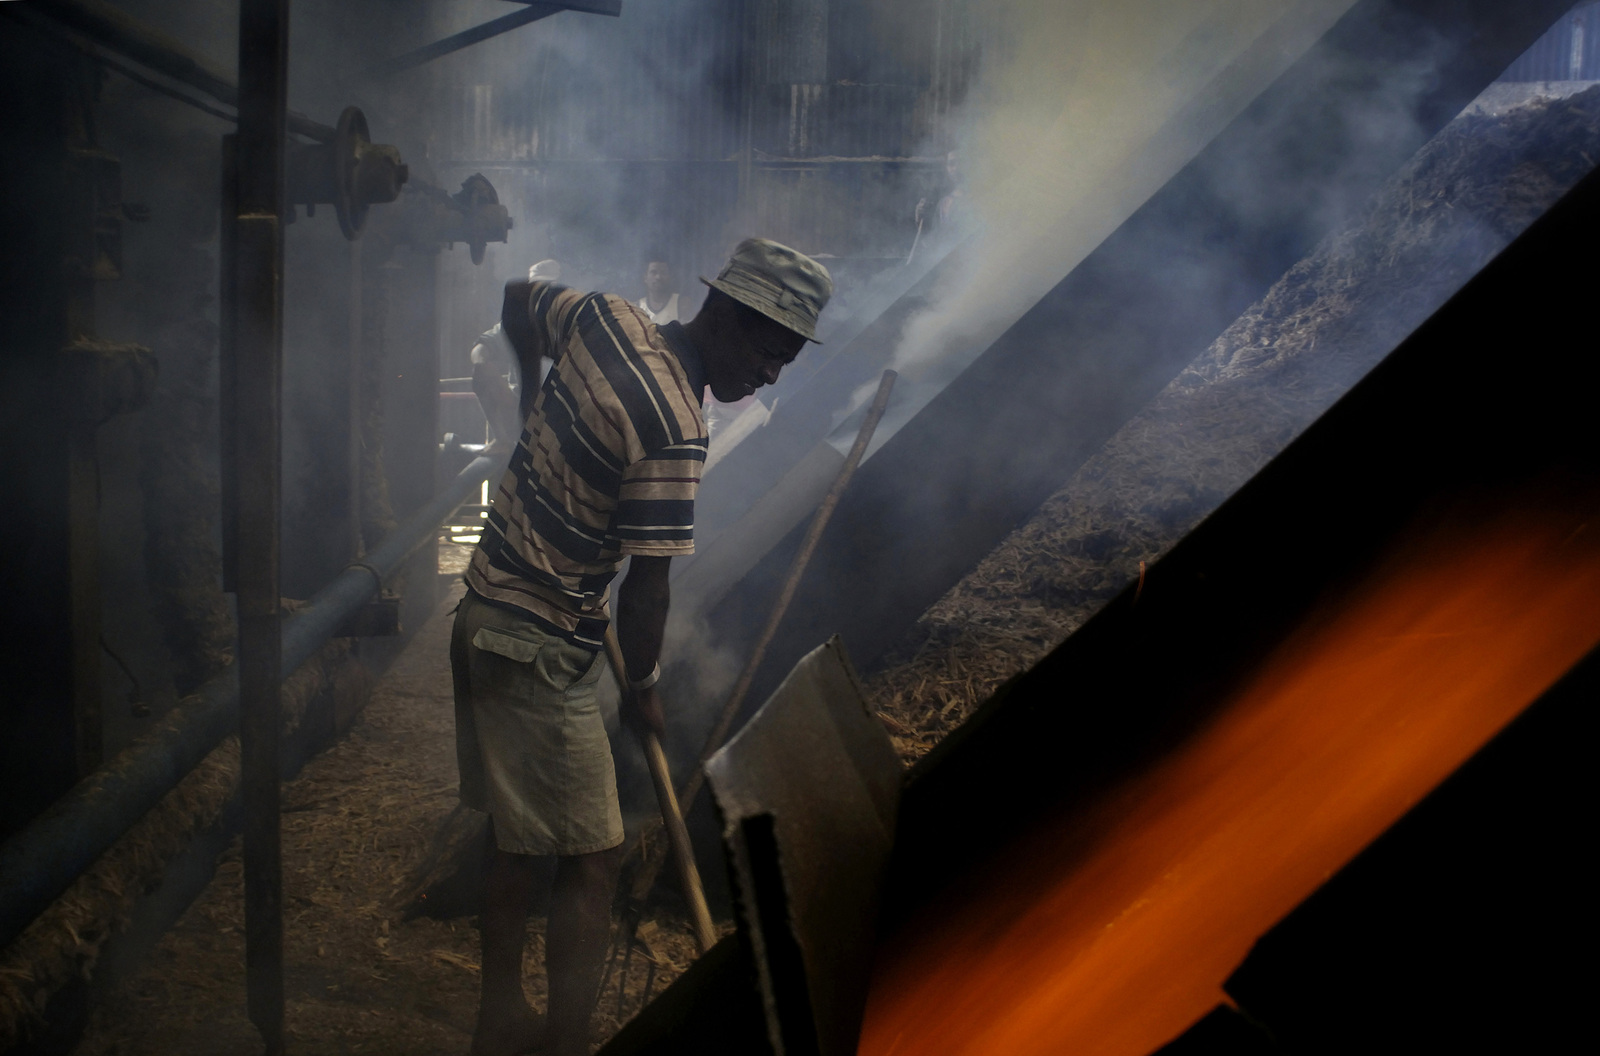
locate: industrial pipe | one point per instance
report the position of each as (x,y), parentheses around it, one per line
(41,861)
(308,628)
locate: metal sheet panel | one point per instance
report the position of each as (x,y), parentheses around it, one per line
(808,792)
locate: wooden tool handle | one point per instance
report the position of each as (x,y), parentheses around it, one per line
(655,757)
(791,583)
(678,836)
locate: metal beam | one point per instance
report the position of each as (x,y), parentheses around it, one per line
(532,12)
(612,8)
(97,27)
(104,24)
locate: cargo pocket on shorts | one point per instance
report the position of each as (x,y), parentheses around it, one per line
(591,674)
(568,668)
(498,642)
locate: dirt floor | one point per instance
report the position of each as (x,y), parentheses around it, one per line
(357,823)
(1329,320)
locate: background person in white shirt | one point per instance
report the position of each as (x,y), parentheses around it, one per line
(660,301)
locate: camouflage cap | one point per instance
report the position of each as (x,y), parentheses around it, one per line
(781,283)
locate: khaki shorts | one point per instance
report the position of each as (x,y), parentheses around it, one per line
(530,741)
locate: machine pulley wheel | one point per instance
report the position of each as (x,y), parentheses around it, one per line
(349,137)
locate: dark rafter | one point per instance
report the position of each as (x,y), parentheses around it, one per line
(533,11)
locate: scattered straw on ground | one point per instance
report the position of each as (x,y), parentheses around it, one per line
(356,823)
(66,940)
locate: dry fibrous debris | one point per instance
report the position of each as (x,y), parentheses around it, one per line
(1462,198)
(65,942)
(357,977)
(182,494)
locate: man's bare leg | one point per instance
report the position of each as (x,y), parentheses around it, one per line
(506,1025)
(575,945)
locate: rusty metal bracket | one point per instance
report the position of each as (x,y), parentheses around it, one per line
(482,218)
(94,238)
(474,215)
(104,379)
(378,618)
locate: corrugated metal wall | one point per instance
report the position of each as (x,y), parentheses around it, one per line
(660,83)
(837,164)
(691,124)
(1569,52)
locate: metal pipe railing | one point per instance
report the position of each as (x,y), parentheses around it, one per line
(42,860)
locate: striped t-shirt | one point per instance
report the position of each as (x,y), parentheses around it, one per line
(608,464)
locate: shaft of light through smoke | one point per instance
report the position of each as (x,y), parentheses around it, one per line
(1084,109)
(1087,110)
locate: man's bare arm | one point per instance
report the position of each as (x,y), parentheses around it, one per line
(642,603)
(499,403)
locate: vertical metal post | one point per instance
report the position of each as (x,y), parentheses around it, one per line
(84,180)
(228,384)
(83,562)
(357,339)
(256,420)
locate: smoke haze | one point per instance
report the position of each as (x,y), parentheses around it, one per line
(1085,109)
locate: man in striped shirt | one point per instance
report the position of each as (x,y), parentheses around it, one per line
(607,467)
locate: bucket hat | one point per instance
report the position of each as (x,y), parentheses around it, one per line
(781,283)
